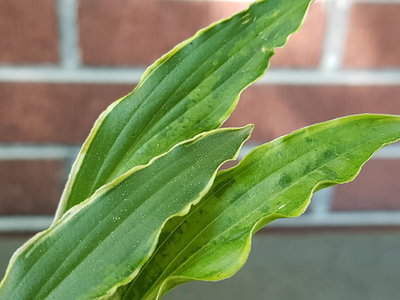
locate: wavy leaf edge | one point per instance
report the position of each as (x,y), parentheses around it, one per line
(270,218)
(74,210)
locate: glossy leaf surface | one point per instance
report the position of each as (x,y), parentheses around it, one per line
(275,180)
(192,89)
(104,241)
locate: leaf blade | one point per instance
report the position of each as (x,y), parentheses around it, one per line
(192,89)
(275,180)
(104,241)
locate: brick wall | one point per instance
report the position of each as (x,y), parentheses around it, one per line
(64,61)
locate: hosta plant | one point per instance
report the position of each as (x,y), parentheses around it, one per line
(145,207)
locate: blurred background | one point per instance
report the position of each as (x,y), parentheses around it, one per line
(62,62)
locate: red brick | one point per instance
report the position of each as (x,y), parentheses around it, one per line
(376,188)
(278,110)
(30,187)
(132,32)
(304,48)
(28,31)
(373,39)
(59,113)
(129,32)
(64,113)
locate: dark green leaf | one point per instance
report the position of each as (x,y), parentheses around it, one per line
(102,243)
(275,180)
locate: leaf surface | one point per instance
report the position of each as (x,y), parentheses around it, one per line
(274,181)
(102,243)
(192,89)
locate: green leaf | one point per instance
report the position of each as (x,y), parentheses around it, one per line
(102,243)
(192,89)
(275,180)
